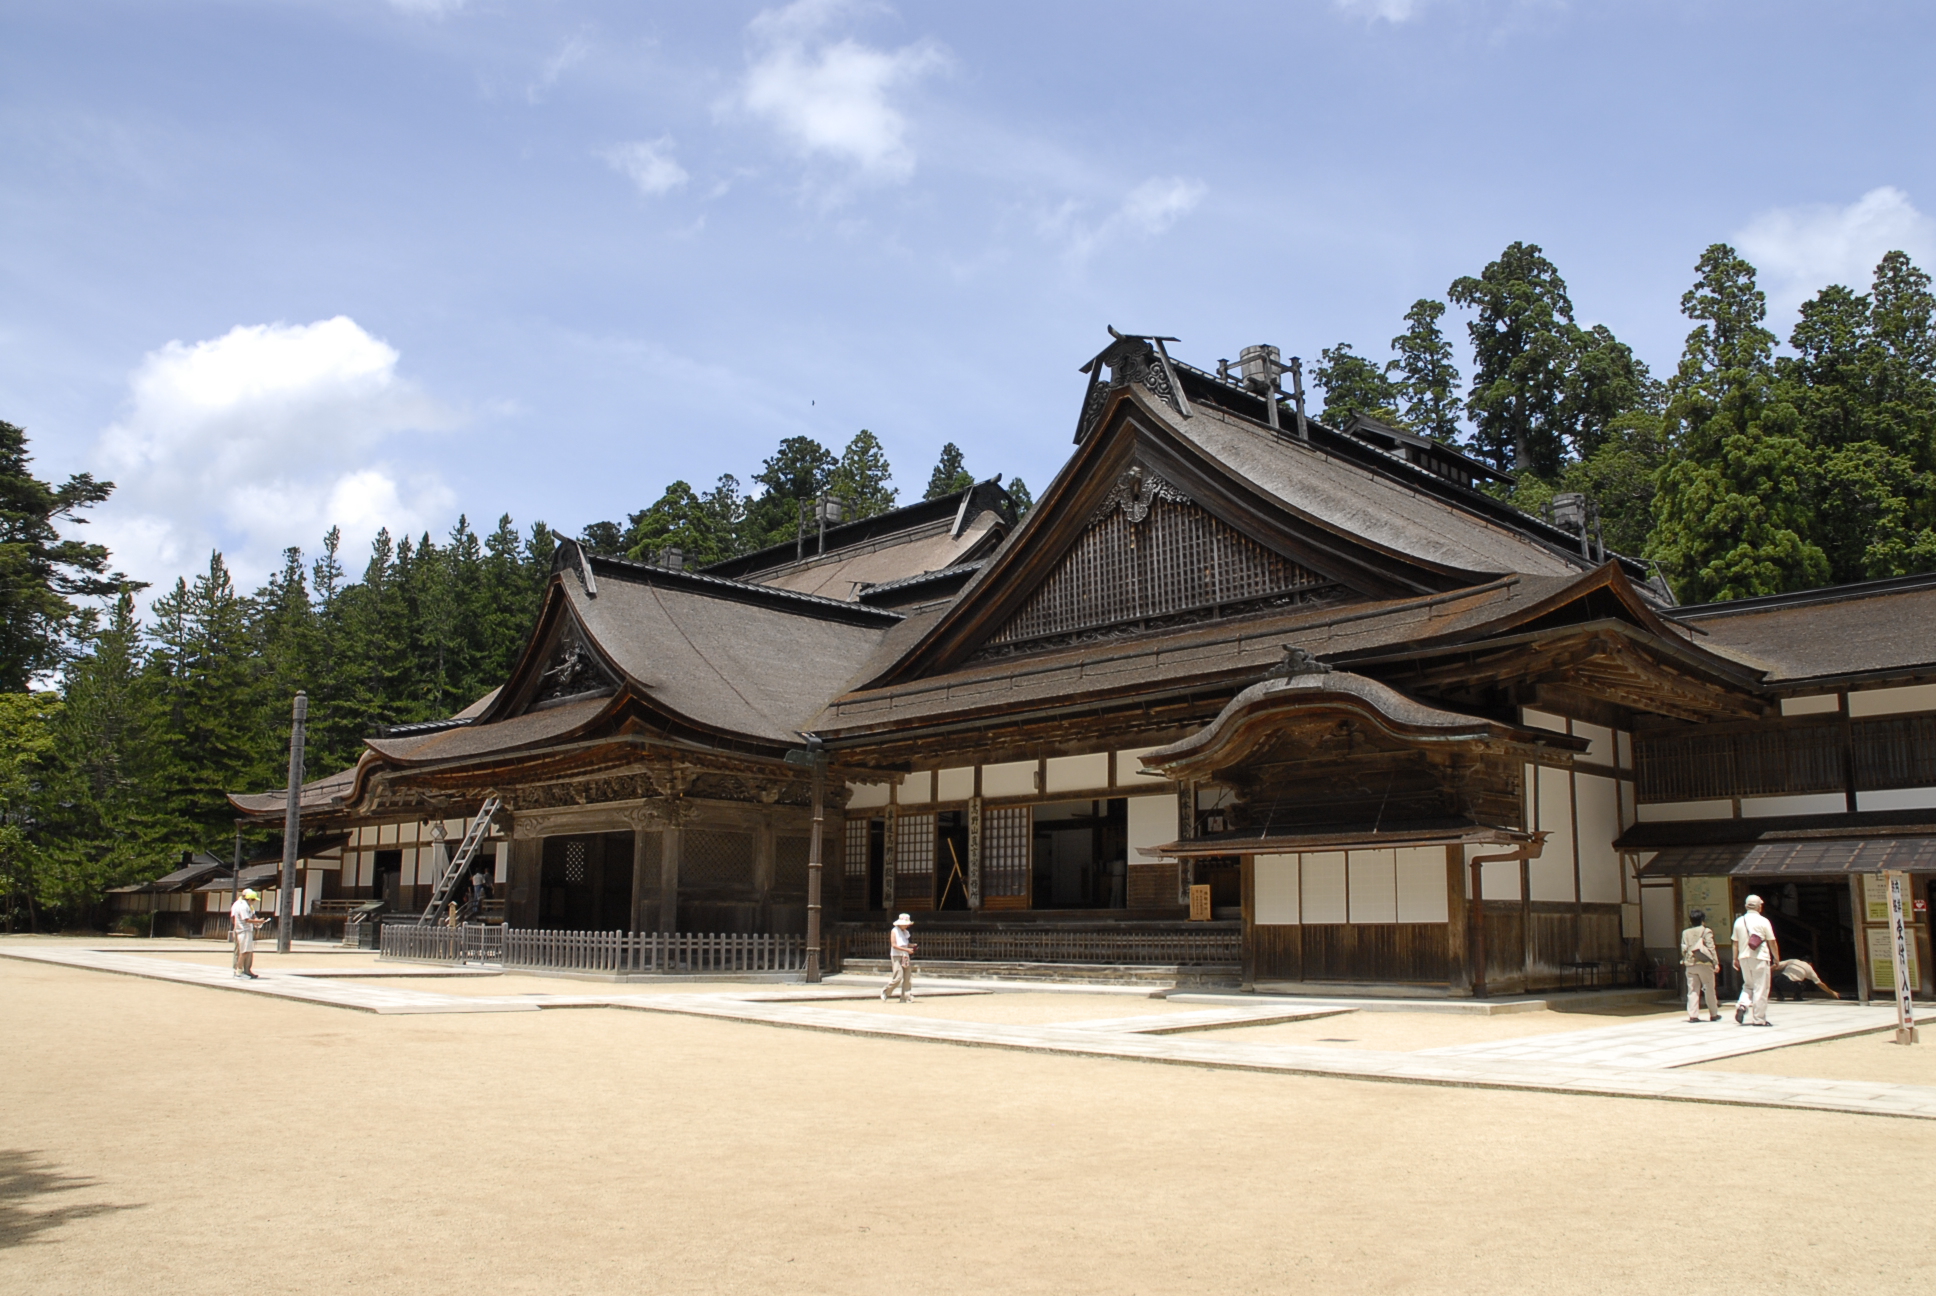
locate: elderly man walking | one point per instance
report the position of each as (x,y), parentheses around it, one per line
(242,925)
(900,955)
(1700,961)
(1755,955)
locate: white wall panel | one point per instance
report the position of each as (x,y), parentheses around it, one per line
(1678,811)
(1598,801)
(1601,738)
(1374,887)
(1897,799)
(865,796)
(1542,720)
(1811,803)
(1152,822)
(1129,768)
(1275,890)
(916,789)
(1893,701)
(1016,778)
(1076,773)
(1421,884)
(1323,887)
(1818,704)
(1658,928)
(954,784)
(1552,872)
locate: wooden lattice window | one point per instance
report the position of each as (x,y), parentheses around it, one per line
(914,857)
(1764,762)
(715,859)
(1005,851)
(1897,752)
(857,832)
(574,863)
(1178,562)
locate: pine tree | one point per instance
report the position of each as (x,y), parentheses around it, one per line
(28,744)
(949,475)
(1354,385)
(1429,379)
(1736,497)
(1020,497)
(861,477)
(40,572)
(1522,352)
(795,473)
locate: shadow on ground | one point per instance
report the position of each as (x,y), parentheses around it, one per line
(30,1202)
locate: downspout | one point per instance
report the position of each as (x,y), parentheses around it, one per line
(1525,851)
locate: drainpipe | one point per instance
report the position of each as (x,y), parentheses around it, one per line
(1477,943)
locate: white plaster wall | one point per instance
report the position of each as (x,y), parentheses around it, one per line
(1129,768)
(1811,803)
(1076,773)
(1678,811)
(954,784)
(1658,929)
(1819,704)
(917,788)
(1551,875)
(1897,799)
(1420,874)
(1893,701)
(1016,778)
(1598,801)
(865,796)
(1323,891)
(1542,720)
(1152,822)
(1373,896)
(1276,884)
(1601,752)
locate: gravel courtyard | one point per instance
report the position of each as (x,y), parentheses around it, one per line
(162,1137)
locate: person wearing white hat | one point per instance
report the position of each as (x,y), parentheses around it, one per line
(900,954)
(242,925)
(1755,954)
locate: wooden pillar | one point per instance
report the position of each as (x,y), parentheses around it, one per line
(1249,939)
(1526,923)
(890,837)
(1459,969)
(763,869)
(640,883)
(1859,916)
(974,849)
(669,879)
(526,875)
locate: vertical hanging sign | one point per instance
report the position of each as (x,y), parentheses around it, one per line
(1899,953)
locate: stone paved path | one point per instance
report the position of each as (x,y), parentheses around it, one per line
(1638,1060)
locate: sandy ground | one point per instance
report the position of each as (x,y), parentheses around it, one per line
(1021,1008)
(144,1149)
(1407,1031)
(1860,1057)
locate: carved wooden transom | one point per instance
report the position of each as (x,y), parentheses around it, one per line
(1152,557)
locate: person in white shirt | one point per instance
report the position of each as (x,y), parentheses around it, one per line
(242,925)
(1699,960)
(900,954)
(1755,955)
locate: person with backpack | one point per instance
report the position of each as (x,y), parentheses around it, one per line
(1755,955)
(1700,961)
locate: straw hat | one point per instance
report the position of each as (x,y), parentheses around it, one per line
(252,894)
(904,921)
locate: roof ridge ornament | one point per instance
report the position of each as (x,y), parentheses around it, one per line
(1130,358)
(1297,662)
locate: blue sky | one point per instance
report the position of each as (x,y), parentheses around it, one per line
(271,265)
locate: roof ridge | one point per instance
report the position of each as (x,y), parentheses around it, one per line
(1803,598)
(791,600)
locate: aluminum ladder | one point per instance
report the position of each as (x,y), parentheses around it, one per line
(460,863)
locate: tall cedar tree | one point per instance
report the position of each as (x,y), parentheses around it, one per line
(1429,380)
(950,474)
(1354,385)
(861,477)
(39,571)
(1736,497)
(793,475)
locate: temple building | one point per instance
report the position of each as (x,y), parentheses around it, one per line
(1242,693)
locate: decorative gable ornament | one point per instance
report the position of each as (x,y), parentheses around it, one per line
(1135,491)
(572,671)
(1130,359)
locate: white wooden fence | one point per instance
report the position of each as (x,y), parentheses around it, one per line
(610,952)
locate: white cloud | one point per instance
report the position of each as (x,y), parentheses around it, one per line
(260,439)
(570,54)
(1147,211)
(649,164)
(831,97)
(1800,250)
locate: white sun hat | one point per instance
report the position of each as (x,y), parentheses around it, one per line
(904,921)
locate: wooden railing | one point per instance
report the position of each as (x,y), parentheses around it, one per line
(612,952)
(1113,945)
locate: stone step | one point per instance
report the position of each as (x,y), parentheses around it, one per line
(1152,974)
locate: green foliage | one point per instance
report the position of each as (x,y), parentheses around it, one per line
(704,528)
(1429,381)
(40,573)
(1355,385)
(1020,497)
(1734,514)
(607,538)
(28,746)
(795,473)
(949,475)
(861,477)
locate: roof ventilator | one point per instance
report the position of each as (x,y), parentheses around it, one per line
(1261,369)
(1579,514)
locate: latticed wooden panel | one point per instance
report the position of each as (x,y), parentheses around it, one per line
(1770,762)
(1005,851)
(1179,559)
(914,857)
(1897,752)
(857,830)
(711,858)
(790,857)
